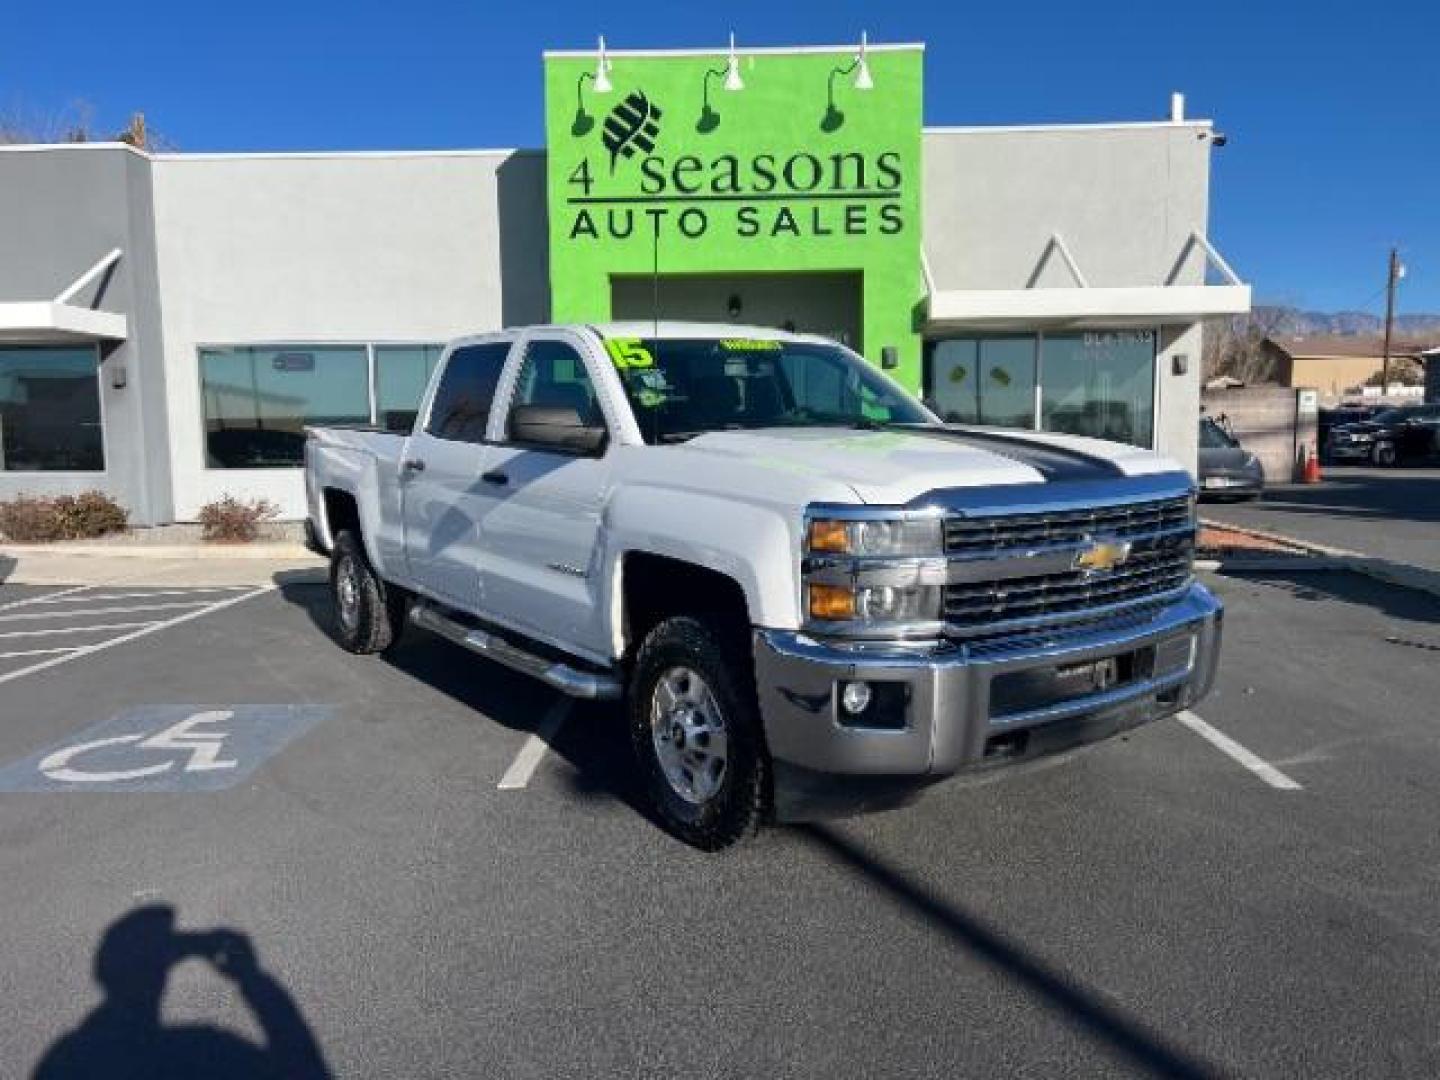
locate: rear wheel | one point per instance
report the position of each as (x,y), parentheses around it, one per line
(695,727)
(368,614)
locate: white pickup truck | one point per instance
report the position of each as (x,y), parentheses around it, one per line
(812,596)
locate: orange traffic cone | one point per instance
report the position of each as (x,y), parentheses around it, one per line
(1310,473)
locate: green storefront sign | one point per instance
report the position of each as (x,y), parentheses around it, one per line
(677,170)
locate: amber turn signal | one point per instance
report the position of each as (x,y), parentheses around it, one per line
(831,536)
(831,602)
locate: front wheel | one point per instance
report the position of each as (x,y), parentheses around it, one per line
(368,615)
(696,730)
(1383,453)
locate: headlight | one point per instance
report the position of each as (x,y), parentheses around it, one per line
(876,604)
(895,537)
(1362,436)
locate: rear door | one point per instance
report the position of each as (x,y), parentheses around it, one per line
(442,494)
(542,525)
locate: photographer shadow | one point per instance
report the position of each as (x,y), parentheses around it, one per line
(123,1036)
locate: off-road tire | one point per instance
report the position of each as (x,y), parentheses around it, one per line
(718,651)
(371,619)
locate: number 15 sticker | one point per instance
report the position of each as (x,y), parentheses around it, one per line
(629,353)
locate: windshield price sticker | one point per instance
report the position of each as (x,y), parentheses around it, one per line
(629,353)
(749,345)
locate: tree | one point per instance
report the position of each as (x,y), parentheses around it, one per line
(1236,345)
(74,124)
(1405,370)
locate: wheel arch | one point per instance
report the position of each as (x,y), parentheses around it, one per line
(653,587)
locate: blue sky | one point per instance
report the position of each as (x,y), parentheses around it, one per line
(1333,110)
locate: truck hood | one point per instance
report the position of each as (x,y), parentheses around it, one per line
(897,466)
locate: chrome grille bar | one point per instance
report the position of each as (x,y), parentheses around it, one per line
(984,534)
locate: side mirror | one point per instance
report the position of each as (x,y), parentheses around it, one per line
(555,427)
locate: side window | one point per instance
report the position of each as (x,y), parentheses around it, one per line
(462,401)
(554,375)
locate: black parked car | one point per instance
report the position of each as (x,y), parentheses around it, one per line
(1227,469)
(1406,433)
(1330,419)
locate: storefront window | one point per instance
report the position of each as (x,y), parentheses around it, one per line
(984,381)
(951,375)
(1100,383)
(50,410)
(1005,381)
(401,374)
(257,401)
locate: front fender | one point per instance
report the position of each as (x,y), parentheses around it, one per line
(758,547)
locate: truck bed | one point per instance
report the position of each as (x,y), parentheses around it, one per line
(360,462)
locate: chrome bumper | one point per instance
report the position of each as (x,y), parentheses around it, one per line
(962,709)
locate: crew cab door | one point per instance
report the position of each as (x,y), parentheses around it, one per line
(442,496)
(541,530)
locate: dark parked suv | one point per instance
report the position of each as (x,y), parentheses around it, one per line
(1407,433)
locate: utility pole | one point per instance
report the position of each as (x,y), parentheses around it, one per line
(1392,278)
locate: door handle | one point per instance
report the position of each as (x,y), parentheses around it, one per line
(412,465)
(495,478)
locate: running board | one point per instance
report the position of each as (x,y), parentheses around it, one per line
(563,677)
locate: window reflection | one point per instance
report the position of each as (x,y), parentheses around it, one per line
(402,372)
(1099,383)
(257,400)
(50,410)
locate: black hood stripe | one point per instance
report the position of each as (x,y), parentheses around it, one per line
(1055,464)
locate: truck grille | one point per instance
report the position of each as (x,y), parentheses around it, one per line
(985,535)
(1162,543)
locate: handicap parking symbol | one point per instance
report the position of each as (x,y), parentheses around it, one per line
(166,748)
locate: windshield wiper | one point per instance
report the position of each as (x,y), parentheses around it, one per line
(863,423)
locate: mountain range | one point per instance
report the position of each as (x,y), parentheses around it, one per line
(1292,322)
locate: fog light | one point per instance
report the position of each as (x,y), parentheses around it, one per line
(855,698)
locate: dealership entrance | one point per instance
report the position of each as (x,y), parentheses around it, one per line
(820,303)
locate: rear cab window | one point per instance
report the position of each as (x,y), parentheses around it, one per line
(461,409)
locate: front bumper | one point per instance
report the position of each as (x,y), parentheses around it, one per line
(1357,450)
(969,709)
(1236,482)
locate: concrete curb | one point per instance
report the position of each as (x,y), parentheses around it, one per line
(1333,558)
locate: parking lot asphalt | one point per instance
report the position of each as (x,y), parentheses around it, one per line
(1150,907)
(1390,514)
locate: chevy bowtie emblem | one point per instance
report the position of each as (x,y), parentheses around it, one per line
(1102,555)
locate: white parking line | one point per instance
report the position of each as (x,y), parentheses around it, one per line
(38,652)
(63,598)
(45,598)
(518,775)
(1226,745)
(147,628)
(75,629)
(68,612)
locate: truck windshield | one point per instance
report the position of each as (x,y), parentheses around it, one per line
(683,387)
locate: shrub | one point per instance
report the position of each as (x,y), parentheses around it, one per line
(89,514)
(38,519)
(227,520)
(28,519)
